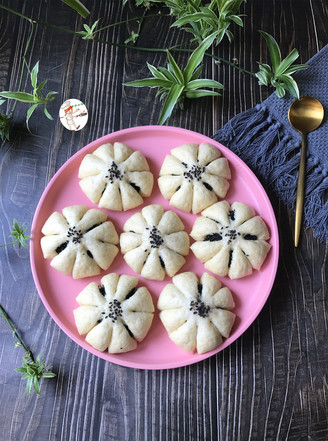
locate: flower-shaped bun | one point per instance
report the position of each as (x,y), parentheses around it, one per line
(115,177)
(195,313)
(115,315)
(230,240)
(80,241)
(194,177)
(154,243)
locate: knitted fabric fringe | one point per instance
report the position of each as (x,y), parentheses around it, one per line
(274,155)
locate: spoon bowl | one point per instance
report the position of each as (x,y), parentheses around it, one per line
(305,115)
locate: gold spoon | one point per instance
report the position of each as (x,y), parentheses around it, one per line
(305,115)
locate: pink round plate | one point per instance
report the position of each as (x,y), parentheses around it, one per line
(58,292)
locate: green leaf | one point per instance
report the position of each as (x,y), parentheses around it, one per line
(175,68)
(280,91)
(93,27)
(34,75)
(156,73)
(163,95)
(170,102)
(229,34)
(295,68)
(19,96)
(196,73)
(36,385)
(200,93)
(187,19)
(78,7)
(45,110)
(41,86)
(29,385)
(220,36)
(48,375)
(195,84)
(50,96)
(86,27)
(237,20)
(132,39)
(209,13)
(264,79)
(167,74)
(274,50)
(28,116)
(266,68)
(20,369)
(197,56)
(287,62)
(150,82)
(290,85)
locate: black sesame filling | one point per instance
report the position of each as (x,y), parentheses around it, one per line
(231,215)
(61,247)
(249,237)
(93,226)
(200,289)
(161,261)
(113,173)
(115,310)
(129,330)
(135,186)
(130,293)
(230,258)
(200,308)
(74,234)
(208,186)
(212,237)
(194,173)
(102,290)
(89,254)
(231,234)
(155,238)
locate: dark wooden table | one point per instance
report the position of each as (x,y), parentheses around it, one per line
(269,384)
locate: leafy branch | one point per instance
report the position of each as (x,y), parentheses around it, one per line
(18,234)
(5,120)
(175,84)
(202,21)
(36,98)
(88,33)
(280,74)
(32,370)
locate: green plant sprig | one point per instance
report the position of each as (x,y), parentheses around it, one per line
(5,120)
(33,370)
(175,84)
(36,98)
(18,233)
(88,33)
(202,21)
(280,74)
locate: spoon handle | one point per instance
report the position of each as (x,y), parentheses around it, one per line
(300,191)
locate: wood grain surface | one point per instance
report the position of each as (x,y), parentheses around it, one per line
(272,383)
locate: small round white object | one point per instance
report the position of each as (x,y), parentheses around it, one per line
(73,114)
